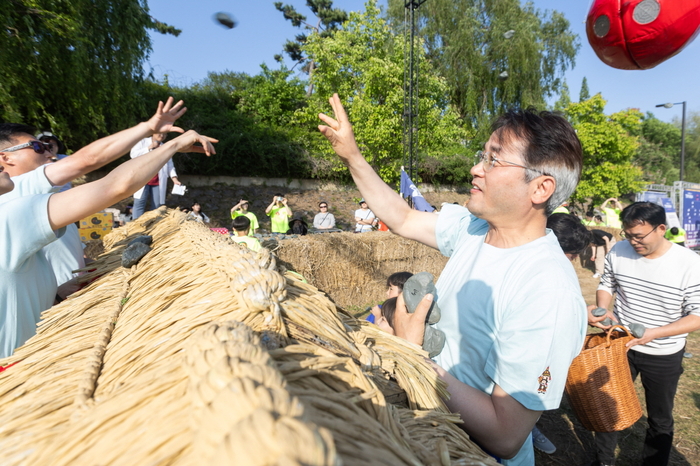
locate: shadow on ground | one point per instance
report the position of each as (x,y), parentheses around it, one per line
(575,444)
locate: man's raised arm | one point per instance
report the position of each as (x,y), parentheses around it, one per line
(107,149)
(384,202)
(72,205)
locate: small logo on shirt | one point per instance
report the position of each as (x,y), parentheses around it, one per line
(544,381)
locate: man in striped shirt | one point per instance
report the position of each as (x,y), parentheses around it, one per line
(657,285)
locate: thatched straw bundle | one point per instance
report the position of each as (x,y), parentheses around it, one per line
(352,268)
(203,353)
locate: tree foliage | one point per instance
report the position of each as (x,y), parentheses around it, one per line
(659,143)
(74,67)
(584,93)
(329,20)
(249,115)
(494,54)
(364,64)
(609,144)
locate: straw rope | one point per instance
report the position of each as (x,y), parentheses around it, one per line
(144,366)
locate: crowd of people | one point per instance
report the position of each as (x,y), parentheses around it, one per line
(511,306)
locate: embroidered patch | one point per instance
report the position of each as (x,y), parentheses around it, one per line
(544,381)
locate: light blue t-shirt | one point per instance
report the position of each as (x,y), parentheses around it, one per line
(27,283)
(513,317)
(66,254)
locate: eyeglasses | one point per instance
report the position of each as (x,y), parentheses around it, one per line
(38,146)
(637,239)
(323,207)
(490,161)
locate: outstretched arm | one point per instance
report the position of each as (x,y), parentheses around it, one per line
(107,149)
(386,204)
(72,205)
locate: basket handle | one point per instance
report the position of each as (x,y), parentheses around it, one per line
(610,331)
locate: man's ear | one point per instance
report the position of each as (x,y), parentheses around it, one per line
(6,159)
(543,189)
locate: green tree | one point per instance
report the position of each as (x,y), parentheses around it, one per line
(73,67)
(564,98)
(494,54)
(656,155)
(584,94)
(692,147)
(249,115)
(329,20)
(609,145)
(364,64)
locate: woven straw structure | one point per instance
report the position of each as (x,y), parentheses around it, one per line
(599,384)
(352,268)
(203,353)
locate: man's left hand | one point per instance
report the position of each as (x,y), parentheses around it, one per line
(649,334)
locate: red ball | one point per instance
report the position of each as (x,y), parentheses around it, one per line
(640,34)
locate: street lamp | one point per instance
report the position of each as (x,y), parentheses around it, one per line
(669,105)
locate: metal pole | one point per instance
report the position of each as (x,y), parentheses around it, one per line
(683,142)
(411,96)
(411,89)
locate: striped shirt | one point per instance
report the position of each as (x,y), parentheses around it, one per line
(653,292)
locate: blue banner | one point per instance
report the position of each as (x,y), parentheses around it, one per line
(408,189)
(691,217)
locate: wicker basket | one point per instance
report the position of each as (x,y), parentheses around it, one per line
(599,384)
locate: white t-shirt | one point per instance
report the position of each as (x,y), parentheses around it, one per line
(513,317)
(165,172)
(64,255)
(27,284)
(364,215)
(324,221)
(653,292)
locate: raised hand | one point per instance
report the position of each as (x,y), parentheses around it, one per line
(166,115)
(188,140)
(339,131)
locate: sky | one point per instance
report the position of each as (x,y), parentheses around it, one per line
(261,31)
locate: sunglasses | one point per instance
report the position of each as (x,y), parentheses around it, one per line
(38,146)
(323,206)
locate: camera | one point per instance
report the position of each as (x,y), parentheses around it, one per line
(279,198)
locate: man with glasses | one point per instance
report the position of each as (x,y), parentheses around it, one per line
(324,220)
(657,284)
(31,221)
(28,162)
(512,309)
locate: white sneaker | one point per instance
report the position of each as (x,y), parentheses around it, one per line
(596,275)
(541,442)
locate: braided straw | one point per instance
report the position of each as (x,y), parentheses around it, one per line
(146,366)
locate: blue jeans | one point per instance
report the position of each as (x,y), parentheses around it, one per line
(149,192)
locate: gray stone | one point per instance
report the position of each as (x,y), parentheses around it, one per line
(415,289)
(637,330)
(145,239)
(433,340)
(133,254)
